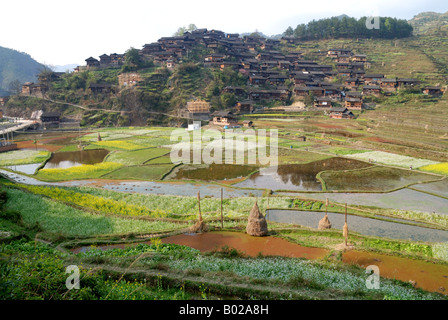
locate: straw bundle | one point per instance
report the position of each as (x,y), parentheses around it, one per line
(257,225)
(324,223)
(198,227)
(345,229)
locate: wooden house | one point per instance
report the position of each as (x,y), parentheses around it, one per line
(224,118)
(100,88)
(277,79)
(248,123)
(342,66)
(389,85)
(300,77)
(359,58)
(334,92)
(301,91)
(50,117)
(198,106)
(405,82)
(3,101)
(356,66)
(269,94)
(246,106)
(353,94)
(351,83)
(232,35)
(230,64)
(215,57)
(353,103)
(336,52)
(340,113)
(345,73)
(322,102)
(92,62)
(316,91)
(105,60)
(33,89)
(373,78)
(343,58)
(371,90)
(239,91)
(257,80)
(432,91)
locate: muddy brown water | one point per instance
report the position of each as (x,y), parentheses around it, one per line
(428,276)
(252,246)
(61,160)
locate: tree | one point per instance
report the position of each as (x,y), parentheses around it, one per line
(132,58)
(181,30)
(289,32)
(15,87)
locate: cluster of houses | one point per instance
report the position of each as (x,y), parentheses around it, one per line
(275,75)
(272,74)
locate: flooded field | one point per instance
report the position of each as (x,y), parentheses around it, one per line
(362,225)
(143,187)
(251,246)
(212,172)
(62,160)
(300,176)
(439,188)
(26,168)
(426,275)
(376,178)
(404,199)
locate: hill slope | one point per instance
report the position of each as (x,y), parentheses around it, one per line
(15,65)
(430,23)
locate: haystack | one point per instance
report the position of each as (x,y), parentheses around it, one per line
(99,137)
(257,225)
(198,227)
(324,223)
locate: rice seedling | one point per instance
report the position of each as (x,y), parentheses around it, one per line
(392,159)
(19,157)
(60,218)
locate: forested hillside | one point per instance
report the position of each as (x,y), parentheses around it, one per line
(16,68)
(347,27)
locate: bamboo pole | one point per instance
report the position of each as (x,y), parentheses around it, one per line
(222,218)
(345,230)
(199,205)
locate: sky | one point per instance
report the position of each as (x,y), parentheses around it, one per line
(60,32)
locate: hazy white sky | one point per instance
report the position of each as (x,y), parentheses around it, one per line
(61,32)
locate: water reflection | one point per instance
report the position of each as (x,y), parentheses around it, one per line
(366,226)
(63,160)
(300,176)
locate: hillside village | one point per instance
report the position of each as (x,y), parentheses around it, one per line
(276,74)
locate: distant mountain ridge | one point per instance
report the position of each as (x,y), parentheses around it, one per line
(430,23)
(16,66)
